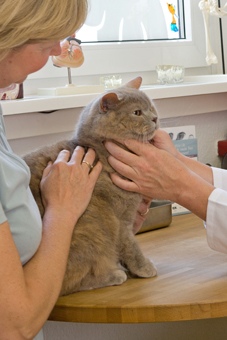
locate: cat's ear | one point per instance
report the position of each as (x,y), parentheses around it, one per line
(109,101)
(134,83)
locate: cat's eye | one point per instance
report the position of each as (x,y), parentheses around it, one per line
(138,112)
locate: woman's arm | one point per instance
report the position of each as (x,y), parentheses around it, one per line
(28,294)
(163,141)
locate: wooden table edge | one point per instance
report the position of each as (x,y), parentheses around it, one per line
(148,314)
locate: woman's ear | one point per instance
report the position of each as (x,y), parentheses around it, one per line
(109,102)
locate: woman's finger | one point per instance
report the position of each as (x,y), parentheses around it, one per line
(90,156)
(120,154)
(63,156)
(89,159)
(144,207)
(123,169)
(133,145)
(124,183)
(47,170)
(94,174)
(77,155)
(142,213)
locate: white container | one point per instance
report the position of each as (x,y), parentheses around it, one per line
(170,74)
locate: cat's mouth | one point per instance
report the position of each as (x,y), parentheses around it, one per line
(149,138)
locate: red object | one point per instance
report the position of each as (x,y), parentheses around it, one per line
(222,147)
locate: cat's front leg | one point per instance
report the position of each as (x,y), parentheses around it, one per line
(133,259)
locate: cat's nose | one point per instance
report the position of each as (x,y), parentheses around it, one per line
(154,120)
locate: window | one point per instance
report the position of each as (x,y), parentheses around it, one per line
(133,20)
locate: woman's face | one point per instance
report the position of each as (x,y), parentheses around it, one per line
(26,59)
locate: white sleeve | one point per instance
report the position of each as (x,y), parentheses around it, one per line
(220,178)
(216,222)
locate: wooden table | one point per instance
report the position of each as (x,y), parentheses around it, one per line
(191,283)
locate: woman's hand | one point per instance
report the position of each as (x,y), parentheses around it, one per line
(155,173)
(67,184)
(151,172)
(141,214)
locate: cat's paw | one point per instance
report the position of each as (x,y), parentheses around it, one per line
(117,277)
(147,269)
(113,278)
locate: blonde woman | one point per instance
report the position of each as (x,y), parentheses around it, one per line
(33,252)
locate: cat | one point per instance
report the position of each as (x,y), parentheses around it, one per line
(103,247)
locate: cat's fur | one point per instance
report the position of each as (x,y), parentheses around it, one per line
(103,236)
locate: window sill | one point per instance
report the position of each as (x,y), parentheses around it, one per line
(209,92)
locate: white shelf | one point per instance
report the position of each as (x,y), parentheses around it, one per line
(192,86)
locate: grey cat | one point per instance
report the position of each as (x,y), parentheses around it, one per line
(103,238)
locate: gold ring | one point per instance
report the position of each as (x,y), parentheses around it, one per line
(143,214)
(90,166)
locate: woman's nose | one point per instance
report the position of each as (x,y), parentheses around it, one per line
(56,50)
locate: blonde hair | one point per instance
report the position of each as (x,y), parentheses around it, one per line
(31,21)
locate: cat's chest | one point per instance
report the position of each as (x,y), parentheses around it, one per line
(121,200)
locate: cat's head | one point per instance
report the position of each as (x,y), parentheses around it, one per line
(125,112)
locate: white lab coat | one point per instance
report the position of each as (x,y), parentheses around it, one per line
(216,220)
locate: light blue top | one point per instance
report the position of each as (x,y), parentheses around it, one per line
(17,205)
